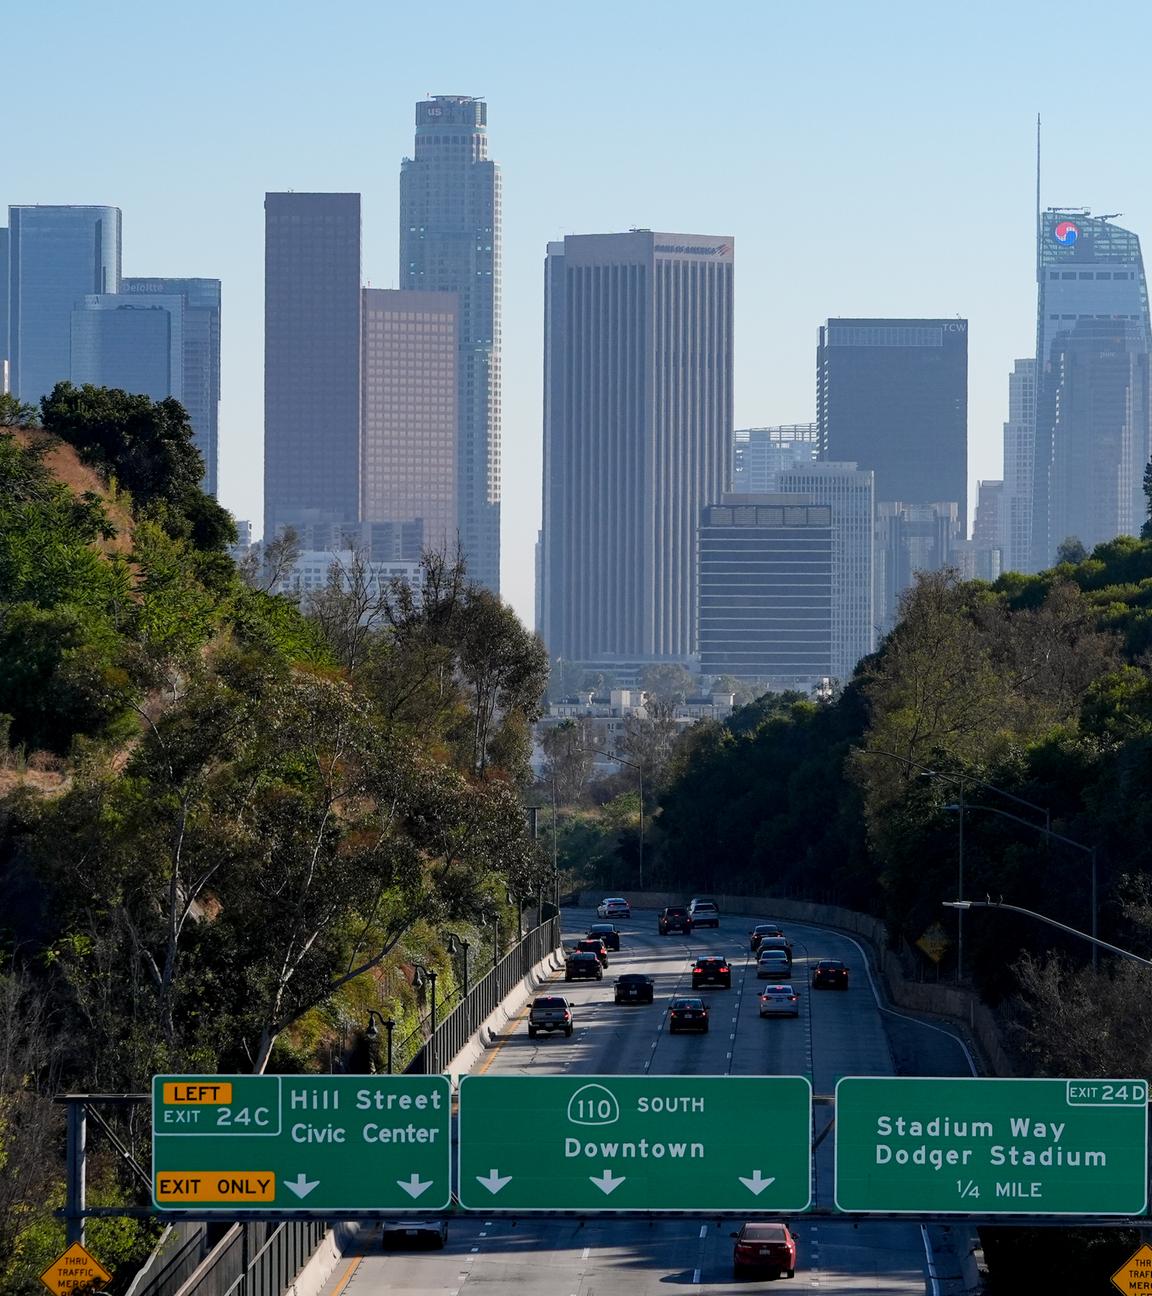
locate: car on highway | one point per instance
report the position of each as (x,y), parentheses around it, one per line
(704,912)
(674,918)
(687,1014)
(830,974)
(781,943)
(607,933)
(779,1000)
(402,1233)
(711,970)
(773,965)
(634,987)
(614,907)
(583,965)
(764,1246)
(757,934)
(550,1013)
(594,945)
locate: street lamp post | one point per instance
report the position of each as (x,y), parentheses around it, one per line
(372,1033)
(961,905)
(1090,851)
(458,945)
(638,766)
(421,973)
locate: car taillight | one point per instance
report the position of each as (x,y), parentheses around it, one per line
(697,969)
(724,968)
(793,998)
(567,1015)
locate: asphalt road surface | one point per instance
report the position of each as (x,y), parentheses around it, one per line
(836,1034)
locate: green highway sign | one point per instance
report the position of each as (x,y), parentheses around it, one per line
(982,1147)
(248,1143)
(639,1143)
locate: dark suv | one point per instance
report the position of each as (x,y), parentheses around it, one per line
(675,918)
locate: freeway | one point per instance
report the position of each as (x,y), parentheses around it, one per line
(836,1034)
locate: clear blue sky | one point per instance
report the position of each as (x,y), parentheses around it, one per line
(870,159)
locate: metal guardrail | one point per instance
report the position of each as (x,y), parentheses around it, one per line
(454,1031)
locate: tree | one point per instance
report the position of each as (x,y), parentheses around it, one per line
(350,608)
(15,414)
(1071,550)
(667,686)
(568,758)
(149,449)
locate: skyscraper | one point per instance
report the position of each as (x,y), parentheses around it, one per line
(56,255)
(1019,468)
(311,359)
(1093,414)
(760,454)
(637,437)
(450,242)
(766,589)
(134,346)
(848,492)
(4,380)
(200,362)
(409,412)
(892,395)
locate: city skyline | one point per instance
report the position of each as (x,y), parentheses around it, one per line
(919,213)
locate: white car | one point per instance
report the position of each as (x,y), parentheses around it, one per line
(779,1001)
(773,965)
(614,907)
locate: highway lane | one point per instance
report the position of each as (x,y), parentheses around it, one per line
(836,1034)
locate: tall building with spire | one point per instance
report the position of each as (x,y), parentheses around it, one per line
(450,242)
(1093,413)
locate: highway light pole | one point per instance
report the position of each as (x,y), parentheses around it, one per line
(1090,851)
(458,945)
(638,766)
(372,1033)
(1051,922)
(421,973)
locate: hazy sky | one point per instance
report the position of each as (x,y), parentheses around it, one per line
(869,159)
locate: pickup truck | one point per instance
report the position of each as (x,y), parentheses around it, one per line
(550,1013)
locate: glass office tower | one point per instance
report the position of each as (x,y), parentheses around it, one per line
(130,346)
(637,438)
(311,360)
(199,391)
(892,396)
(4,379)
(450,242)
(1093,432)
(57,255)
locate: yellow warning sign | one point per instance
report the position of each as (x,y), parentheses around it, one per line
(934,942)
(176,1187)
(73,1270)
(1134,1277)
(198,1093)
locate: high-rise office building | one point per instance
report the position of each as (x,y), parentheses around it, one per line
(56,255)
(130,345)
(911,538)
(199,391)
(4,379)
(848,492)
(1093,421)
(311,359)
(766,589)
(637,437)
(760,454)
(1019,468)
(892,396)
(408,433)
(450,242)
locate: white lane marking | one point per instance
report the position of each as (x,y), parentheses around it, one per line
(483,1234)
(695,1275)
(487,1223)
(475,1249)
(727,1054)
(933,1279)
(584,1254)
(703,1230)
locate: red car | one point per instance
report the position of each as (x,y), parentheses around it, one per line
(767,1247)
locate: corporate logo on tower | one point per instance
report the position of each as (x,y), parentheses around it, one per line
(1066,233)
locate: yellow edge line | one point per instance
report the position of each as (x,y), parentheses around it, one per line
(505,1035)
(347,1275)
